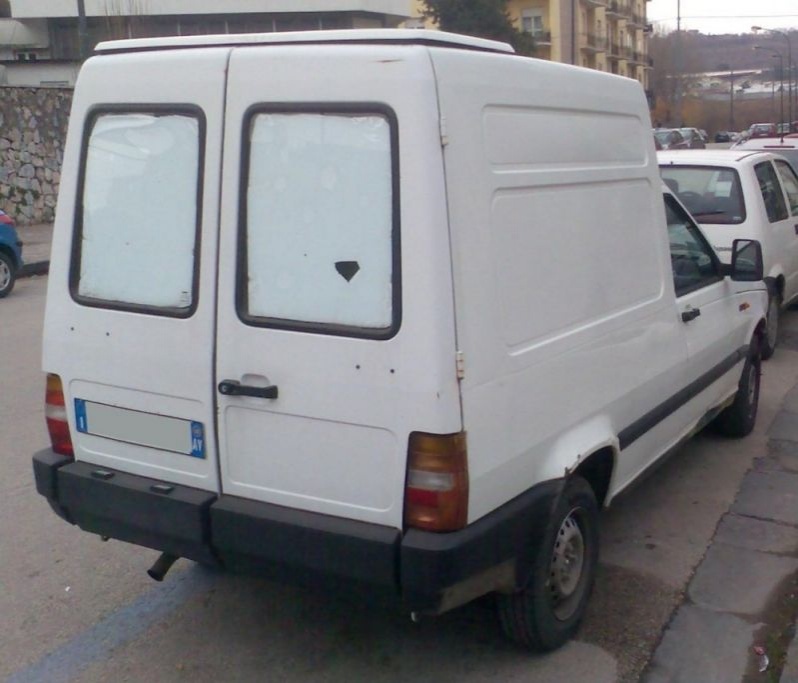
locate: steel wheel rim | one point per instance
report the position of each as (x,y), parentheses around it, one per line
(567,567)
(5,274)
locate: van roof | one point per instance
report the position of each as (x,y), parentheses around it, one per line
(372,36)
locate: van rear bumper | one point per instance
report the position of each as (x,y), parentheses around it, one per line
(430,572)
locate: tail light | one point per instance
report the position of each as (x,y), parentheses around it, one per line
(55,413)
(436,493)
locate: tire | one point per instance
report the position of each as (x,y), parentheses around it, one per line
(8,275)
(546,612)
(771,336)
(739,418)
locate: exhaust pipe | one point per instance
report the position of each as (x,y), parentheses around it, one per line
(162,565)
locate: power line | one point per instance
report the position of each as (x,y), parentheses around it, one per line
(727,17)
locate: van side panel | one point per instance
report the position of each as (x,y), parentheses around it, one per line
(561,267)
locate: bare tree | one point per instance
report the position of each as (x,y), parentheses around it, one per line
(677,69)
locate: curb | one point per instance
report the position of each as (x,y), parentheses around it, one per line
(31,269)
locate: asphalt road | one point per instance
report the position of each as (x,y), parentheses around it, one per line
(77,609)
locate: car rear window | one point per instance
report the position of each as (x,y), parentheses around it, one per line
(137,225)
(711,193)
(319,245)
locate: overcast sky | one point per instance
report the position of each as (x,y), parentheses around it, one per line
(724,16)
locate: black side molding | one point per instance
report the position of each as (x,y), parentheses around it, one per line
(651,419)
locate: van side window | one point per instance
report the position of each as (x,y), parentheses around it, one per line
(771,192)
(790,181)
(319,245)
(137,223)
(692,259)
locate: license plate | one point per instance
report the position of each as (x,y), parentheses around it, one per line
(143,429)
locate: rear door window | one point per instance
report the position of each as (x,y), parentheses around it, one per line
(137,231)
(790,181)
(320,247)
(772,195)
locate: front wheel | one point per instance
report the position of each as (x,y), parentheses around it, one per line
(8,275)
(739,418)
(546,612)
(771,336)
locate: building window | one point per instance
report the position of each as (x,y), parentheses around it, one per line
(532,22)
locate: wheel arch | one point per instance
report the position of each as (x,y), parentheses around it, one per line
(597,469)
(8,251)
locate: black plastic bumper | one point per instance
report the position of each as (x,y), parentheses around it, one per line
(424,569)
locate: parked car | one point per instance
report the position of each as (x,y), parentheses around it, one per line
(723,136)
(735,194)
(693,138)
(370,356)
(10,254)
(786,146)
(671,138)
(761,130)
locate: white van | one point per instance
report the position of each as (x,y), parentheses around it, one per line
(394,307)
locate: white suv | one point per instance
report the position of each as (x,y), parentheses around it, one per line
(741,194)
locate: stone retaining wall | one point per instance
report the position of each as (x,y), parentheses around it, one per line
(33,124)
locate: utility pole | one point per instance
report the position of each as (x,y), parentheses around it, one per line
(82,32)
(678,62)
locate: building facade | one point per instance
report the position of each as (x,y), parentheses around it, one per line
(42,43)
(608,35)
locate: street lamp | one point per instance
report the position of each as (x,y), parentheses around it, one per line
(790,65)
(776,53)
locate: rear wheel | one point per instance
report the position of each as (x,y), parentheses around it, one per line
(740,417)
(8,275)
(546,612)
(771,335)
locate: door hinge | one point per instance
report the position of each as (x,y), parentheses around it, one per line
(444,131)
(460,364)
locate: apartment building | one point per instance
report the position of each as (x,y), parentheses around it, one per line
(608,35)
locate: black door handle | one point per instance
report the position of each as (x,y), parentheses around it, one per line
(796,228)
(229,387)
(691,314)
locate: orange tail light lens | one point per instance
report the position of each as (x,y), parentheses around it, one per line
(436,493)
(56,416)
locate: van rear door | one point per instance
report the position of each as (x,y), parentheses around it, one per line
(335,321)
(130,316)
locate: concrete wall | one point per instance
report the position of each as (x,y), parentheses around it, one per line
(33,123)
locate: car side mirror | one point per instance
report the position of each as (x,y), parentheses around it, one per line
(746,264)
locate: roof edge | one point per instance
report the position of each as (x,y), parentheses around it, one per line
(375,36)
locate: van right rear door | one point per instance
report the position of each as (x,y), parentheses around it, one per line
(335,335)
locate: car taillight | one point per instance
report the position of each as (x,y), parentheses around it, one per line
(436,493)
(56,416)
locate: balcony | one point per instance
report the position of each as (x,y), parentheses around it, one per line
(619,9)
(595,3)
(637,19)
(593,43)
(613,51)
(541,37)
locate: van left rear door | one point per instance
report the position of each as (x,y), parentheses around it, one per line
(130,315)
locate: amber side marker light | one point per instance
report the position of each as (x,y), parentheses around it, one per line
(56,416)
(436,493)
